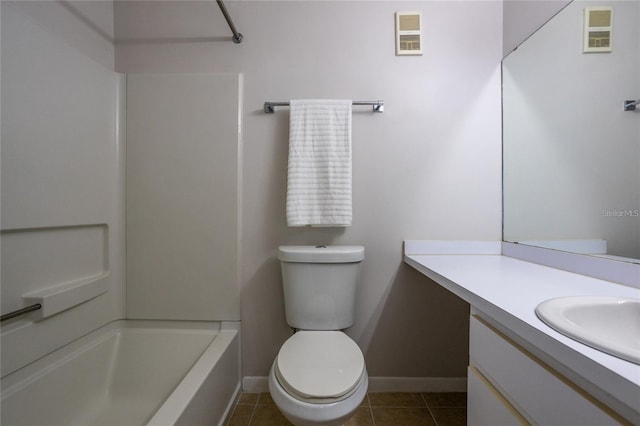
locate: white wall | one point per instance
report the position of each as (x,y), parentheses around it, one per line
(62,170)
(182,196)
(428,168)
(571,151)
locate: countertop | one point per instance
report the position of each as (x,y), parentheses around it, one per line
(507,290)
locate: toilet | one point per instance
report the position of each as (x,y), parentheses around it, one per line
(319,376)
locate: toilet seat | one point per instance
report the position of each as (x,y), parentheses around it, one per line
(320,366)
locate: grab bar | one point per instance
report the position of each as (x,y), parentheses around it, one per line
(631,105)
(19,312)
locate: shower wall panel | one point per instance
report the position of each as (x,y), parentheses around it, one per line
(62,176)
(182,196)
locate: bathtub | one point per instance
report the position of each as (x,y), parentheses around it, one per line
(131,373)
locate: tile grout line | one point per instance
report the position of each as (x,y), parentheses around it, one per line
(253,412)
(373,419)
(435,422)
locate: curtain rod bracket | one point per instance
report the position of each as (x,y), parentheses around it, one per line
(237,37)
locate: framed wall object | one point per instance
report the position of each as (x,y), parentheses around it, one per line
(598,28)
(408,33)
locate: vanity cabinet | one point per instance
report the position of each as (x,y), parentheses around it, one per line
(508,385)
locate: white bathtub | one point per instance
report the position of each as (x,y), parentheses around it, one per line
(131,373)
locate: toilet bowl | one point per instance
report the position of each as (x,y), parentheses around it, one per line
(318,378)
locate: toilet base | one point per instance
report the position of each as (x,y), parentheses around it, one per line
(302,413)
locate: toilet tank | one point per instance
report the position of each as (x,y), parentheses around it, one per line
(319,284)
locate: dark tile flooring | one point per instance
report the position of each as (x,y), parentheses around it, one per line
(377,409)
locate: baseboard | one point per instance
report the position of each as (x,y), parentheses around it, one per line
(417,384)
(257,384)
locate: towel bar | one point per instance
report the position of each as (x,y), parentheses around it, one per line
(378,106)
(631,105)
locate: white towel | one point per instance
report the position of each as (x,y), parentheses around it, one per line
(319,173)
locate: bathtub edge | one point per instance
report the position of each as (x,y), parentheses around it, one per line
(208,391)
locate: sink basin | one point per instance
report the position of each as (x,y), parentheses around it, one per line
(609,324)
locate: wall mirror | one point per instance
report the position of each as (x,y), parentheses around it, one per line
(571,153)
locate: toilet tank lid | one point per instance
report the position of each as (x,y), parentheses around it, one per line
(321,254)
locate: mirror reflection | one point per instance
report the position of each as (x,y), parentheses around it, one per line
(571,150)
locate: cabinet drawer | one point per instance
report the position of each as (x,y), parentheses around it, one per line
(540,394)
(487,407)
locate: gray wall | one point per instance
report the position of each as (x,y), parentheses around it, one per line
(428,168)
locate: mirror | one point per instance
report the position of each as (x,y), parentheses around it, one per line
(571,153)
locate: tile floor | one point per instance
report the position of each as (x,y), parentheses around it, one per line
(377,409)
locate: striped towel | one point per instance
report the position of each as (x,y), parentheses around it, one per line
(319,173)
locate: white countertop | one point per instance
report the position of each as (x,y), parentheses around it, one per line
(508,290)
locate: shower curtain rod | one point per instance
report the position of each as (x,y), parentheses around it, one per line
(378,106)
(237,37)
